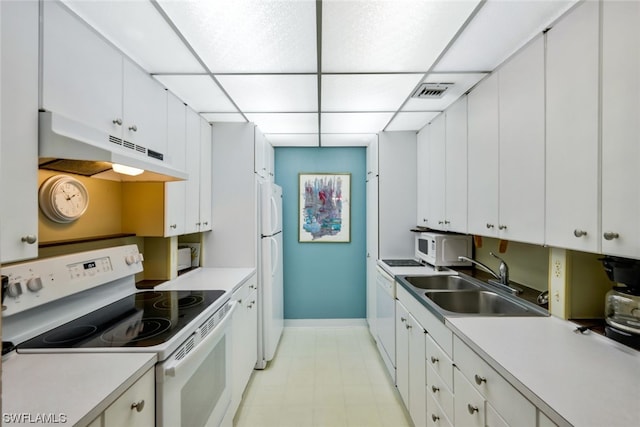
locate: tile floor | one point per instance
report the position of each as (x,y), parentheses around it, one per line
(331,377)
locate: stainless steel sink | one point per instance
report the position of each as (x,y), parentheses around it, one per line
(444,283)
(480,302)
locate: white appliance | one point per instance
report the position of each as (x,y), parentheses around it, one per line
(385,319)
(270,288)
(442,250)
(87,302)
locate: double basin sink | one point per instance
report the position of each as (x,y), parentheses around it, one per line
(463,295)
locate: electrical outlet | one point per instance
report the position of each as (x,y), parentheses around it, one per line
(558,282)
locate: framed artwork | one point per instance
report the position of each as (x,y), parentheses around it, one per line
(324,207)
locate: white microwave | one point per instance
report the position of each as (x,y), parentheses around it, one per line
(443,250)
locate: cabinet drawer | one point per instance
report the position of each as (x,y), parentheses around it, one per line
(514,408)
(438,360)
(437,329)
(122,413)
(440,392)
(468,404)
(436,417)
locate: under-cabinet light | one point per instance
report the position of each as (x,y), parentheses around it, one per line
(126,170)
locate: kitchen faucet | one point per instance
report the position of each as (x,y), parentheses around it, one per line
(502,279)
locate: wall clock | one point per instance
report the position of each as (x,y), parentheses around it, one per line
(63,198)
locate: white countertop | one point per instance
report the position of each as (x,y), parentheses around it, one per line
(79,386)
(589,380)
(424,270)
(201,279)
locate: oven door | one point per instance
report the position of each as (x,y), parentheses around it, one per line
(194,391)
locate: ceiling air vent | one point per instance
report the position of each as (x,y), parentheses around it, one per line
(431,90)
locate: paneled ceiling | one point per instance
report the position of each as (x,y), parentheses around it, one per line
(319,72)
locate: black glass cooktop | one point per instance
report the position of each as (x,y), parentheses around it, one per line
(402,263)
(143,319)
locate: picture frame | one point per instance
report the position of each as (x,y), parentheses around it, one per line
(324,207)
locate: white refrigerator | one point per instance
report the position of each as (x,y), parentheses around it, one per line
(270,287)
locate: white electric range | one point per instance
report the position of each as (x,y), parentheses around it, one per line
(87,302)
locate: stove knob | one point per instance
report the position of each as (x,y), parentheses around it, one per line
(14,290)
(34,284)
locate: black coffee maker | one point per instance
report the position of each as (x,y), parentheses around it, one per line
(622,304)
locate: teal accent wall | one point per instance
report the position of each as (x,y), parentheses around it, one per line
(323,280)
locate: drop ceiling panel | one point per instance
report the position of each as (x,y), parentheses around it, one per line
(285,122)
(366,92)
(348,139)
(249,36)
(292,140)
(354,122)
(137,29)
(223,117)
(462,82)
(411,121)
(366,36)
(272,93)
(199,92)
(498,30)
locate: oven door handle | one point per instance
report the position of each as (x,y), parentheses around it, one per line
(201,350)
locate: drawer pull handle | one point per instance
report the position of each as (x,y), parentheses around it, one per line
(490,225)
(434,389)
(434,417)
(138,406)
(579,233)
(408,326)
(472,409)
(30,239)
(610,235)
(403,319)
(480,380)
(434,360)
(117,121)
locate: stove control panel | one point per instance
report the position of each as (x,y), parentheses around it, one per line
(35,283)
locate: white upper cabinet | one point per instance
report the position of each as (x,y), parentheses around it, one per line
(372,158)
(483,158)
(423,193)
(205,176)
(436,170)
(19,131)
(456,167)
(175,192)
(264,157)
(521,96)
(192,191)
(144,111)
(572,163)
(81,73)
(621,129)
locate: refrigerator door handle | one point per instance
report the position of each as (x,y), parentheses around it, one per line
(274,215)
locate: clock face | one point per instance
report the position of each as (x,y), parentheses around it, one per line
(63,198)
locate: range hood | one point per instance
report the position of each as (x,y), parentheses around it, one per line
(66,145)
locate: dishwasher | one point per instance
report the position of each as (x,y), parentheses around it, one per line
(385,319)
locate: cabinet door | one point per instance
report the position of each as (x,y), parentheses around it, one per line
(483,158)
(572,164)
(372,158)
(81,73)
(192,193)
(144,111)
(123,413)
(422,172)
(456,167)
(260,161)
(468,404)
(402,352)
(175,192)
(437,159)
(418,373)
(205,175)
(621,128)
(19,131)
(521,94)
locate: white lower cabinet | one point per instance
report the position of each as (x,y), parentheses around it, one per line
(410,366)
(468,403)
(436,416)
(245,339)
(134,408)
(507,401)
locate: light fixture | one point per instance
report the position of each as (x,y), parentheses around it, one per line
(126,170)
